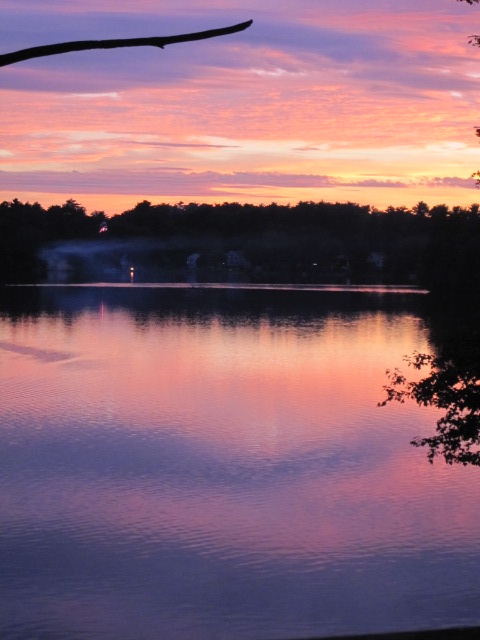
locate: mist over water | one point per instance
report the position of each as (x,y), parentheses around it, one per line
(101,259)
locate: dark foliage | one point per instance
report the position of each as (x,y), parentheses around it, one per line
(436,247)
(447,387)
(452,384)
(475,40)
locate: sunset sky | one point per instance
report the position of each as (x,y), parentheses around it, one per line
(368,101)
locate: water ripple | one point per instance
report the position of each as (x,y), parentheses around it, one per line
(43,355)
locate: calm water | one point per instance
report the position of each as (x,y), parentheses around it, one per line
(211,463)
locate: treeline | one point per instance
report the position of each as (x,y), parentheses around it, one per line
(436,247)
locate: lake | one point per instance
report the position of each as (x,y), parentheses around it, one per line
(210,462)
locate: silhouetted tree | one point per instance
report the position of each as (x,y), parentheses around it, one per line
(23,231)
(452,384)
(475,40)
(421,209)
(68,221)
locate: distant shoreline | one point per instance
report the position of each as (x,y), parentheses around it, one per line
(251,286)
(468,633)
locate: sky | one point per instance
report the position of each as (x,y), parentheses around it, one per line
(366,101)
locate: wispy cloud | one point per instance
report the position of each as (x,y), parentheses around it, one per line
(175,182)
(318,99)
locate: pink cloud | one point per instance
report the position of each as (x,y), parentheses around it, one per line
(257,111)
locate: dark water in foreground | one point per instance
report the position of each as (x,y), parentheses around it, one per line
(211,463)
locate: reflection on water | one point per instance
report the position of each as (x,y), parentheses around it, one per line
(211,463)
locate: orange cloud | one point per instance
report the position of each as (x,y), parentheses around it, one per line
(339,92)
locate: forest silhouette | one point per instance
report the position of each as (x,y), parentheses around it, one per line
(436,248)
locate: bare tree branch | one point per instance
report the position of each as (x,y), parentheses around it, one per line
(83,45)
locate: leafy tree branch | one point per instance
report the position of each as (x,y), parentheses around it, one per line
(452,388)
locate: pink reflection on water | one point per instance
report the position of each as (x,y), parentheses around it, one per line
(309,519)
(313,467)
(261,388)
